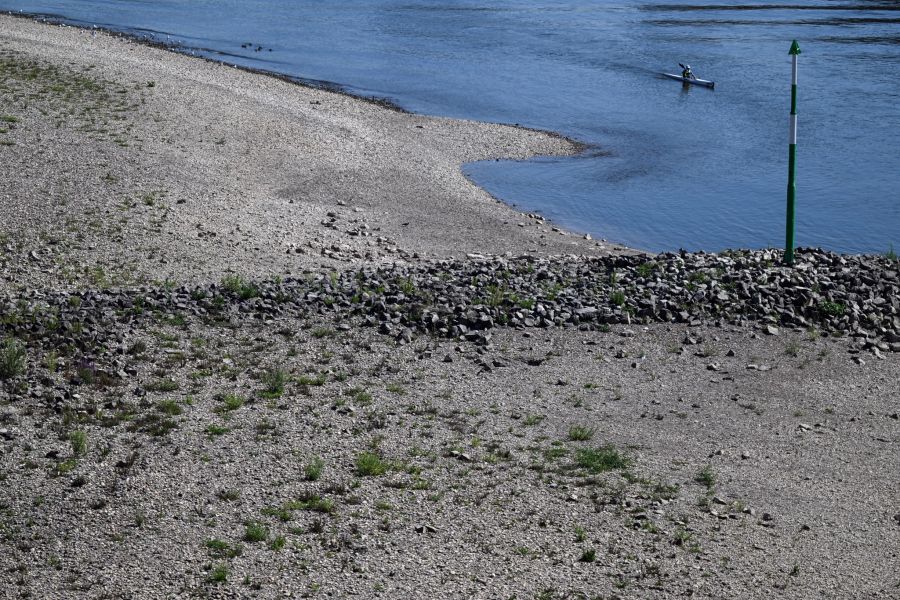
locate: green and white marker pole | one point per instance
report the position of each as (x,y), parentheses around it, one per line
(792,160)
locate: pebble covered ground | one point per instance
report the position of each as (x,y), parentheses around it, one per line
(473,406)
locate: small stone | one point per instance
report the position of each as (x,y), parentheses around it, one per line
(745,455)
(771,330)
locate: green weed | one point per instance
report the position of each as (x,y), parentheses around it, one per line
(578,433)
(369,464)
(599,460)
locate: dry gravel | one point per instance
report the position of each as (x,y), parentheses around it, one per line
(740,466)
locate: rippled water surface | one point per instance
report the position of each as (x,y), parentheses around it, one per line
(669,167)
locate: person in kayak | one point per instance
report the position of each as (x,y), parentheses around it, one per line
(686,71)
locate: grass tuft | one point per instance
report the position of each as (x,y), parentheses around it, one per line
(602,459)
(274,381)
(369,464)
(578,433)
(588,556)
(239,287)
(312,471)
(78,439)
(230,403)
(218,574)
(706,476)
(12,359)
(255,532)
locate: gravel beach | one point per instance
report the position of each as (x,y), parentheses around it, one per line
(260,340)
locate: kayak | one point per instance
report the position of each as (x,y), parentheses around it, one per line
(703,82)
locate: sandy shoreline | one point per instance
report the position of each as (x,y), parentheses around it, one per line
(244,170)
(209,388)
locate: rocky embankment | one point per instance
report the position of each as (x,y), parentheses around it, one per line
(854,296)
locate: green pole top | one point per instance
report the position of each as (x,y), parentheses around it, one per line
(795,48)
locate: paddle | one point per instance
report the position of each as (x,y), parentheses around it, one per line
(683,68)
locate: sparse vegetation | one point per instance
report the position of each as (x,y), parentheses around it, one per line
(532,420)
(222,549)
(78,440)
(218,574)
(706,476)
(12,359)
(214,430)
(792,348)
(255,532)
(278,543)
(395,388)
(617,298)
(312,471)
(579,433)
(834,309)
(170,407)
(236,285)
(580,534)
(311,502)
(274,381)
(228,495)
(369,464)
(229,403)
(600,460)
(162,385)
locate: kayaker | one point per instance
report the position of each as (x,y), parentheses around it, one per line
(686,72)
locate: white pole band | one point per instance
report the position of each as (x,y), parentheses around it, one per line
(794,69)
(793,135)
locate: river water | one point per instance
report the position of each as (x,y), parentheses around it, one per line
(667,167)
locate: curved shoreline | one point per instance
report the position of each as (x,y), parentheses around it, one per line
(295,172)
(131,34)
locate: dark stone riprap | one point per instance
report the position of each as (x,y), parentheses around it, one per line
(857,296)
